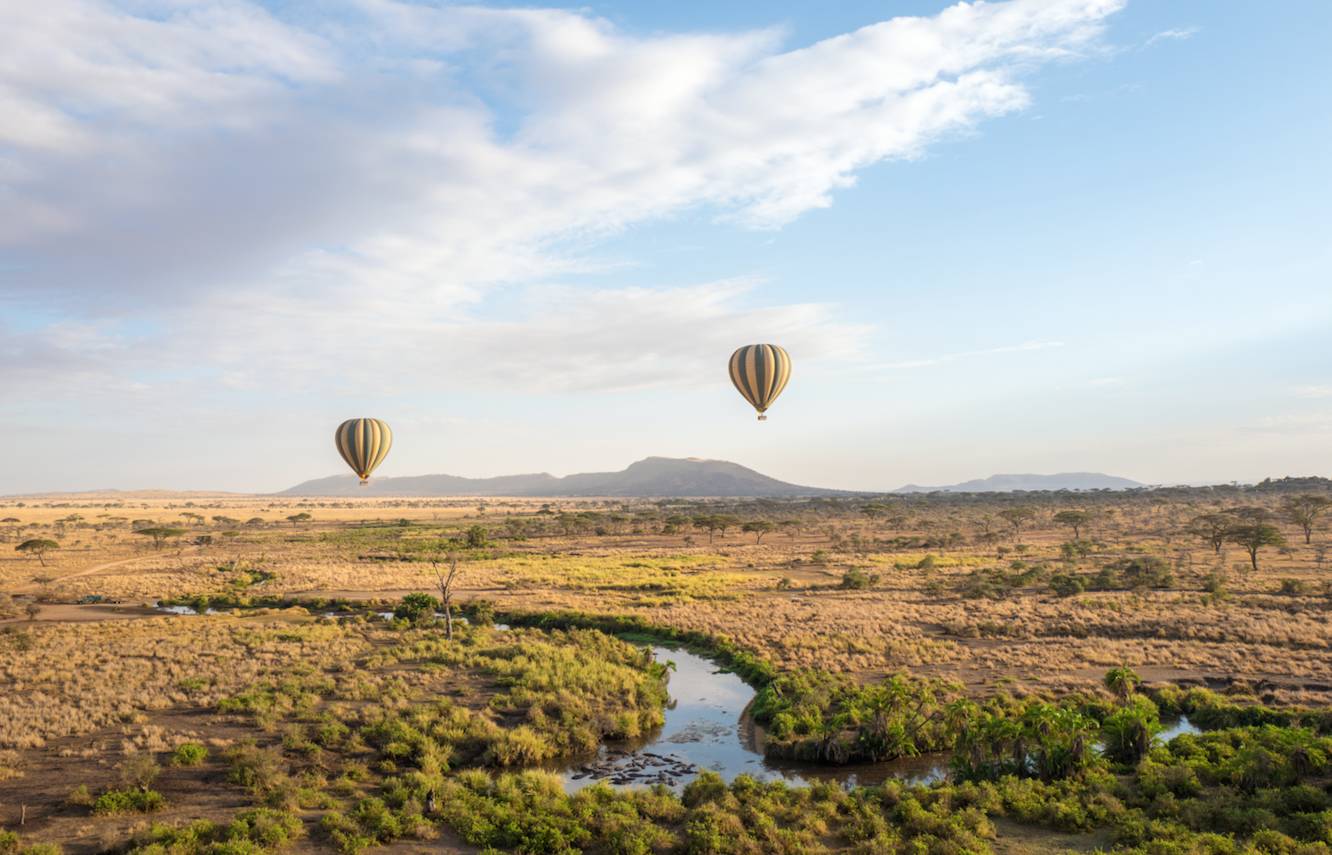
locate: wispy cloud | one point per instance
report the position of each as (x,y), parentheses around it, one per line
(943,359)
(1294,424)
(1172,35)
(1312,391)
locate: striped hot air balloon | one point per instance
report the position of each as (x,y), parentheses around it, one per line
(363,443)
(760,372)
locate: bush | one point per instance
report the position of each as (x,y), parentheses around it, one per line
(856,579)
(1134,574)
(480,612)
(1293,587)
(417,608)
(114,802)
(189,754)
(1067,585)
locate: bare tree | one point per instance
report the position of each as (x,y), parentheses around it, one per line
(445,577)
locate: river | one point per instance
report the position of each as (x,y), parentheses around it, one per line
(706,728)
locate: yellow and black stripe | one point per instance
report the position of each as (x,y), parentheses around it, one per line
(363,443)
(760,372)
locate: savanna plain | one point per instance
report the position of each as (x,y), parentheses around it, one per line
(248,674)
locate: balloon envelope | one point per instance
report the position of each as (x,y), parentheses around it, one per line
(363,443)
(760,372)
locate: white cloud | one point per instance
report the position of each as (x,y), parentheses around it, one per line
(1172,35)
(269,192)
(1313,391)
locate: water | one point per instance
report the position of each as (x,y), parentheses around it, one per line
(1170,728)
(706,729)
(184,610)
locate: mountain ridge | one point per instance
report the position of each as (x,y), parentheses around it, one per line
(1029,482)
(651,477)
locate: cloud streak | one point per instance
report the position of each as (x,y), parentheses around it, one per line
(946,358)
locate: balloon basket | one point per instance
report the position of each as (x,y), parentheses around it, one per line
(762,418)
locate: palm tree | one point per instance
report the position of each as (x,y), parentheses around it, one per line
(1122,681)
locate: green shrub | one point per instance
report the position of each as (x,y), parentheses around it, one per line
(856,579)
(189,754)
(1067,585)
(417,608)
(128,801)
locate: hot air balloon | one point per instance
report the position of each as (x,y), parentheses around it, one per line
(760,372)
(363,443)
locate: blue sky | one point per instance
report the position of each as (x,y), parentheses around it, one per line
(1044,235)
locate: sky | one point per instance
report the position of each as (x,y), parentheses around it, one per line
(1021,236)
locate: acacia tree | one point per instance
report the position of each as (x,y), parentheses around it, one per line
(758,528)
(1212,528)
(714,523)
(707,522)
(1017,517)
(1304,511)
(1253,536)
(37,546)
(1074,519)
(160,534)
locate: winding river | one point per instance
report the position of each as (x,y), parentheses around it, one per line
(707,727)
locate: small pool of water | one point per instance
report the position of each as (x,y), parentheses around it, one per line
(1170,728)
(184,610)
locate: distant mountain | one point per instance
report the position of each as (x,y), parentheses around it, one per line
(652,477)
(1030,483)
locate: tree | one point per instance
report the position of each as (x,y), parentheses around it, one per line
(1122,681)
(1212,528)
(725,521)
(1304,511)
(758,528)
(674,523)
(791,527)
(1127,733)
(1254,536)
(445,578)
(38,546)
(714,523)
(299,518)
(1074,520)
(160,534)
(1017,517)
(476,537)
(986,525)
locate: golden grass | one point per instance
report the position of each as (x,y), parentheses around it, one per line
(779,598)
